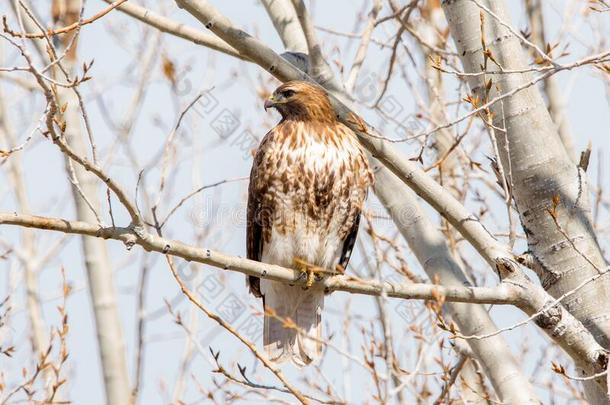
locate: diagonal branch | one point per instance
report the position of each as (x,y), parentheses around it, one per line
(495,253)
(409,172)
(180,30)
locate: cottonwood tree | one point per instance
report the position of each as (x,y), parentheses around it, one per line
(479,275)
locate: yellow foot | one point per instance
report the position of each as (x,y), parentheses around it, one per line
(308,269)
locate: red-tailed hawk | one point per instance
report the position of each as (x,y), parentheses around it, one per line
(308,184)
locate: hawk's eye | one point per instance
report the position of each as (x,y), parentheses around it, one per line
(288,93)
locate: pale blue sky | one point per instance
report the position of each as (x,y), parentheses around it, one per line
(116,44)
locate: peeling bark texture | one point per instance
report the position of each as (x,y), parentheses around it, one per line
(429,246)
(549,190)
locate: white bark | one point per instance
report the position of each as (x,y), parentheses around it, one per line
(428,245)
(567,331)
(352,76)
(561,326)
(556,101)
(471,379)
(436,259)
(541,173)
(503,294)
(165,24)
(286,23)
(99,272)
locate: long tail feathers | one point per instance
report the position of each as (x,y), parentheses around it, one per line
(301,342)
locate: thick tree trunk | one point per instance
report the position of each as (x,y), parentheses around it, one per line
(556,102)
(550,192)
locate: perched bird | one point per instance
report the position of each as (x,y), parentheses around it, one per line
(308,184)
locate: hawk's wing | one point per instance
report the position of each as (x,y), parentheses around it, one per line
(348,245)
(254,226)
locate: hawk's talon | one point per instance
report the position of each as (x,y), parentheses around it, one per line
(313,272)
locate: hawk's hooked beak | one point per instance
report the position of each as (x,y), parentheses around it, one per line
(270,102)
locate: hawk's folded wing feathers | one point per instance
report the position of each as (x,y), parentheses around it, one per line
(254,224)
(348,246)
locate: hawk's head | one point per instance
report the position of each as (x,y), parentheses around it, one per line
(302,101)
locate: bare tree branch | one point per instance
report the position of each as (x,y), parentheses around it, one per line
(500,295)
(469,226)
(180,30)
(549,190)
